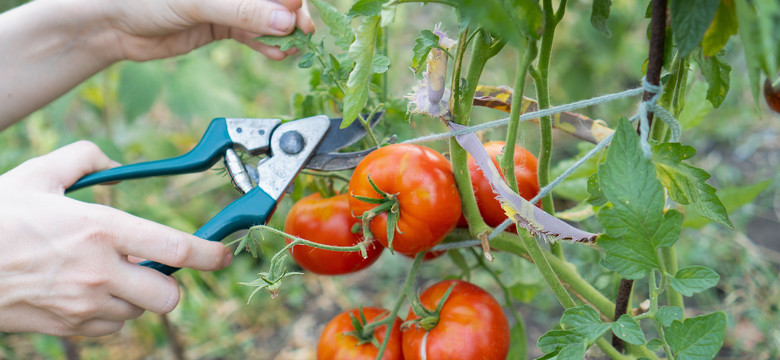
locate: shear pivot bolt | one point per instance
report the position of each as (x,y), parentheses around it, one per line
(291,142)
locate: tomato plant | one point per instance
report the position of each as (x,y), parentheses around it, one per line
(346,336)
(419,189)
(329,222)
(525,173)
(469,324)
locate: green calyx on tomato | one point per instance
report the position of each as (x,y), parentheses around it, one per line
(415,187)
(357,333)
(427,319)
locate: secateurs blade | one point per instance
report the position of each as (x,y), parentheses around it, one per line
(288,147)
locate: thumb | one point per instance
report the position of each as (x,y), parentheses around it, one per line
(59,169)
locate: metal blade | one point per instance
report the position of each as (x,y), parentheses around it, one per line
(337,138)
(340,161)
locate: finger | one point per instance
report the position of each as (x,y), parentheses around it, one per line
(131,235)
(61,168)
(258,16)
(303,18)
(291,5)
(97,327)
(117,309)
(145,288)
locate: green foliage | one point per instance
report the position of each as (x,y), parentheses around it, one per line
(716,71)
(690,20)
(628,329)
(667,314)
(759,37)
(295,39)
(139,87)
(511,20)
(636,225)
(697,338)
(694,279)
(422,46)
(687,184)
(585,322)
(339,24)
(723,26)
(599,15)
(362,53)
(365,8)
(733,198)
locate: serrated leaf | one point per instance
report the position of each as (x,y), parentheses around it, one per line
(297,39)
(339,24)
(362,53)
(139,87)
(510,19)
(555,340)
(723,26)
(636,225)
(667,314)
(307,60)
(599,14)
(697,338)
(690,20)
(584,321)
(733,198)
(687,184)
(422,46)
(596,195)
(694,279)
(365,8)
(628,329)
(716,71)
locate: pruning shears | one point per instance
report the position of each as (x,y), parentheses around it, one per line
(289,147)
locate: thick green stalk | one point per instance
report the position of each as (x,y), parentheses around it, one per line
(506,162)
(669,256)
(461,111)
(549,275)
(541,79)
(408,284)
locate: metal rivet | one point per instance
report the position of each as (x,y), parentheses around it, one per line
(291,142)
(261,132)
(239,130)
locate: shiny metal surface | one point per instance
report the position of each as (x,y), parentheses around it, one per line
(238,173)
(252,135)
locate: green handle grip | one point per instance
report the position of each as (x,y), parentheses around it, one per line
(252,209)
(205,154)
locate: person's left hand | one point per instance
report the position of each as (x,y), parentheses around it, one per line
(151,29)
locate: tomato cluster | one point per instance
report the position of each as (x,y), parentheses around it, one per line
(470,325)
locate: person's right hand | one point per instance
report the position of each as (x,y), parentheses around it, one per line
(64,267)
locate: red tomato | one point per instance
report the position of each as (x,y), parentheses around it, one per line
(327,221)
(471,326)
(772,96)
(335,344)
(426,192)
(527,183)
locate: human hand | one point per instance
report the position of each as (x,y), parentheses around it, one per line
(64,268)
(150,29)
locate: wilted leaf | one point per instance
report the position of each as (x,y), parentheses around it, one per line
(716,71)
(722,28)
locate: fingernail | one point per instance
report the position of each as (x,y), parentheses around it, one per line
(227,259)
(282,20)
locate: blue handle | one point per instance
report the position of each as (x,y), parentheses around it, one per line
(252,209)
(204,155)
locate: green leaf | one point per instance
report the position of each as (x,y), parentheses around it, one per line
(636,225)
(716,71)
(584,321)
(198,88)
(690,20)
(366,8)
(380,64)
(511,19)
(694,279)
(733,198)
(666,314)
(525,292)
(572,352)
(696,108)
(688,184)
(722,28)
(697,338)
(362,52)
(517,337)
(139,87)
(599,15)
(750,34)
(654,345)
(555,340)
(296,39)
(628,329)
(307,60)
(422,46)
(339,24)
(596,195)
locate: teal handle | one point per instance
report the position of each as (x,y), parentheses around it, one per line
(252,209)
(203,156)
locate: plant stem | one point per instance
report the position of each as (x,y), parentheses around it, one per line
(541,79)
(654,293)
(669,256)
(609,350)
(549,275)
(408,284)
(621,307)
(506,161)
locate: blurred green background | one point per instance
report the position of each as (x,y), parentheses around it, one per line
(157,109)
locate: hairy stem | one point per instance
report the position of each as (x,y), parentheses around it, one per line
(669,256)
(408,285)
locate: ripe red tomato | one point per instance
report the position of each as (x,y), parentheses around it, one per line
(426,192)
(527,183)
(327,221)
(472,325)
(772,96)
(336,344)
